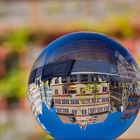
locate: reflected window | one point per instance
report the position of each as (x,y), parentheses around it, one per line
(74,112)
(73,78)
(58,101)
(57,81)
(64,79)
(98,110)
(64,90)
(75,101)
(103,78)
(56,91)
(65,111)
(87,101)
(104,89)
(59,110)
(83,101)
(84,77)
(91,110)
(65,101)
(94,78)
(84,112)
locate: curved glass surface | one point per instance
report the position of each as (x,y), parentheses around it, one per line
(84,86)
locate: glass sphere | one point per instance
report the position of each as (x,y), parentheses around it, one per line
(84,86)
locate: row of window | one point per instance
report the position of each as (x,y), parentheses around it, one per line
(132,107)
(82,101)
(118,86)
(83,78)
(99,110)
(84,111)
(82,90)
(133,99)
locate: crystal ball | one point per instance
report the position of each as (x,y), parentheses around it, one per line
(84,86)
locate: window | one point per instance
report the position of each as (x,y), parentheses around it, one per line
(105,99)
(56,80)
(75,101)
(87,101)
(74,112)
(99,110)
(106,108)
(94,78)
(56,91)
(94,100)
(91,110)
(84,77)
(73,78)
(103,77)
(104,89)
(72,101)
(59,110)
(84,112)
(65,111)
(64,79)
(65,101)
(58,101)
(97,100)
(64,90)
(82,101)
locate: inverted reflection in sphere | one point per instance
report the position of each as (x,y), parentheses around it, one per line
(84,86)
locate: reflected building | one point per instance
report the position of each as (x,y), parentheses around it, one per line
(39,92)
(47,95)
(124,85)
(35,99)
(132,106)
(81,98)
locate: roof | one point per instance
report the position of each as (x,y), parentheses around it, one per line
(65,68)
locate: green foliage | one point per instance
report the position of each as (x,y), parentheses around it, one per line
(13,86)
(92,87)
(123,27)
(17,40)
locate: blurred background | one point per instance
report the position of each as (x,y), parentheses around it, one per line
(27,26)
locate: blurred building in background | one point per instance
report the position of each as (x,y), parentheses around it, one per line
(27,26)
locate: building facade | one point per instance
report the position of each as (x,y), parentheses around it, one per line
(132,106)
(40,92)
(35,99)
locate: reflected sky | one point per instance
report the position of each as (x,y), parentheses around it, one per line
(99,131)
